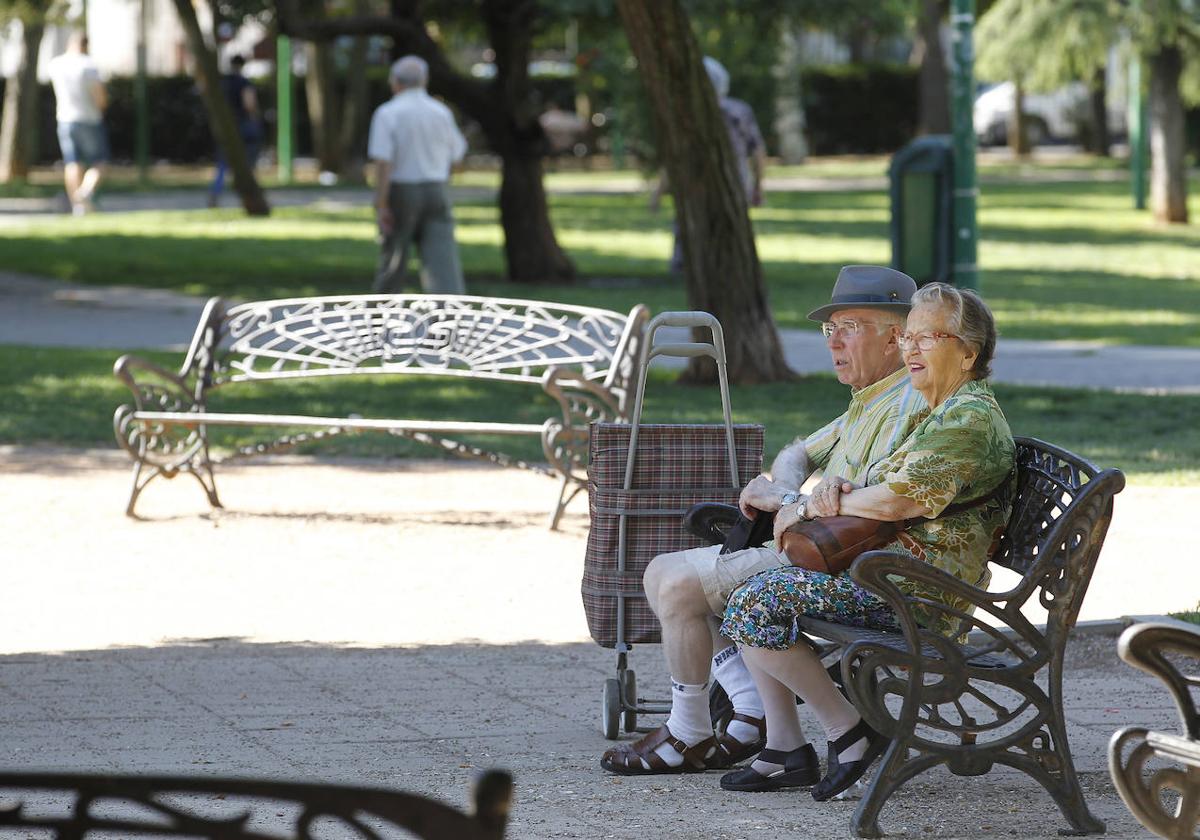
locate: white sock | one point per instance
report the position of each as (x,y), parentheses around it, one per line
(689,720)
(733,675)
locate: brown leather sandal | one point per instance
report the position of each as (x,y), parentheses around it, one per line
(731,751)
(626,759)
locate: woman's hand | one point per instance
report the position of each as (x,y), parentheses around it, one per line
(786,517)
(826,498)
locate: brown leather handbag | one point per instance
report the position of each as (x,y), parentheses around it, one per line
(830,544)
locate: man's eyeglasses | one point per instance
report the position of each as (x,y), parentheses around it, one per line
(847,327)
(924,341)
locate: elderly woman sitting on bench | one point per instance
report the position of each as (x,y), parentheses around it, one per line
(961,452)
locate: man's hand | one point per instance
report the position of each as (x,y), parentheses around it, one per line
(384,220)
(761,494)
(785,518)
(756,195)
(826,499)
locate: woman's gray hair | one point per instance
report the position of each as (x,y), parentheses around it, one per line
(409,71)
(970,319)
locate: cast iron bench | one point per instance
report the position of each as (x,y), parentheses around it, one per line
(584,358)
(1136,754)
(78,806)
(996,698)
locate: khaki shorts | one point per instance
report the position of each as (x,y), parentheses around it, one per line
(720,574)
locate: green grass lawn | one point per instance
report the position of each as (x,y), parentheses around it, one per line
(1060,260)
(67,397)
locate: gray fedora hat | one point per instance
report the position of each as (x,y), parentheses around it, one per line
(868,287)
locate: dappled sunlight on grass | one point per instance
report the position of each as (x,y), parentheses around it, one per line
(62,396)
(1059,259)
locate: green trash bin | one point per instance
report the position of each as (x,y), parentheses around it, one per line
(922,187)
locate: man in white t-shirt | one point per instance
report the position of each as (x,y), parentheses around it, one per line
(413,144)
(80,103)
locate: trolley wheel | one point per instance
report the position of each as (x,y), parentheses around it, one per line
(629,693)
(611,710)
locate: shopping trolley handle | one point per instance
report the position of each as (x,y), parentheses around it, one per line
(686,349)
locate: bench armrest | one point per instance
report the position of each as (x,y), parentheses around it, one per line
(1157,649)
(156,389)
(1008,633)
(930,670)
(583,402)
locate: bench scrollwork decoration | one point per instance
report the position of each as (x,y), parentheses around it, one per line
(1158,773)
(77,806)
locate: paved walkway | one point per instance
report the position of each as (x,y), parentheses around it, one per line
(40,311)
(402,624)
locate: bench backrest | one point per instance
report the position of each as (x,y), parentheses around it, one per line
(1059,519)
(478,337)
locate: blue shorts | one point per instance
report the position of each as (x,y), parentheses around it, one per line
(83,142)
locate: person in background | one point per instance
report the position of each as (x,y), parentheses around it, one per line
(242,98)
(80,100)
(749,151)
(413,143)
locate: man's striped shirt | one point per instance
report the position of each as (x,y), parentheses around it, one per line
(878,419)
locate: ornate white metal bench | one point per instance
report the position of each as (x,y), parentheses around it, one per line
(584,358)
(1165,799)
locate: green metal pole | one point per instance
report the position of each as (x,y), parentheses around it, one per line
(1137,134)
(962,108)
(142,138)
(283,106)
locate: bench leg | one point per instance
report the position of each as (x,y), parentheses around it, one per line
(1048,760)
(203,472)
(895,768)
(564,499)
(139,484)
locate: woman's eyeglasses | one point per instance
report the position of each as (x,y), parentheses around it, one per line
(923,340)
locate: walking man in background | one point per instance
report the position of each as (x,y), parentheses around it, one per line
(413,143)
(80,100)
(242,97)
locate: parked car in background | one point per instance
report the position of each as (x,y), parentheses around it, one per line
(1055,116)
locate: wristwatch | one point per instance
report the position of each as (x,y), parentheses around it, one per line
(789,498)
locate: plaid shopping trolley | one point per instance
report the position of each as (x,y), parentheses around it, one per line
(642,479)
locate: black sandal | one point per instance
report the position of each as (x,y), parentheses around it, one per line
(840,776)
(801,768)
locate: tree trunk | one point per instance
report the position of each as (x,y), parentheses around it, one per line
(322,119)
(724,276)
(220,117)
(933,103)
(352,139)
(1018,134)
(529,246)
(1168,170)
(789,101)
(1099,143)
(18,123)
(514,132)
